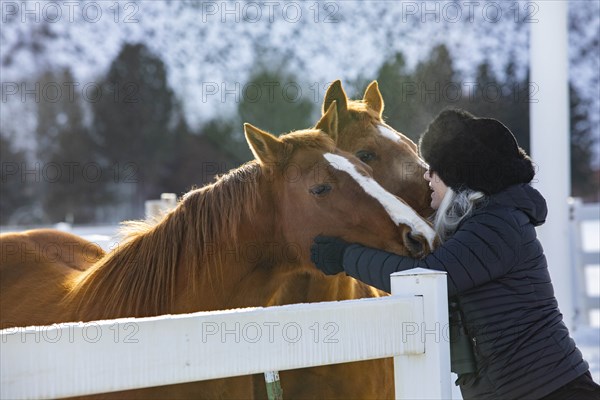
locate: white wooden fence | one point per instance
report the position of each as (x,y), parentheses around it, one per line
(86,358)
(583,302)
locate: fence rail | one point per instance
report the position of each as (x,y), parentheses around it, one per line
(86,358)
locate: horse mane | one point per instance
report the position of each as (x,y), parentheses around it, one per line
(139,277)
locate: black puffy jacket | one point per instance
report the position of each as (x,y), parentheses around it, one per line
(497,269)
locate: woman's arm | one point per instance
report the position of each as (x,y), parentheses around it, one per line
(483,249)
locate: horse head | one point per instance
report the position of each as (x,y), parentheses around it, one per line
(392,156)
(320,189)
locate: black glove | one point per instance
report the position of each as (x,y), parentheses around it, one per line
(328,254)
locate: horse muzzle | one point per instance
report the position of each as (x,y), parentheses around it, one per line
(416,244)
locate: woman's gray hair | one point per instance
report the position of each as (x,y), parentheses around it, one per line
(454,208)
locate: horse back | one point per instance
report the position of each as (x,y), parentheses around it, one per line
(35,267)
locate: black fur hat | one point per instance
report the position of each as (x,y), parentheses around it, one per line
(475,153)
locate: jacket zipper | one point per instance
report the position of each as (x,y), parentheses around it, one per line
(475,348)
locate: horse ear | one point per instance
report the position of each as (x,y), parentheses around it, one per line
(335,93)
(373,98)
(328,123)
(265,147)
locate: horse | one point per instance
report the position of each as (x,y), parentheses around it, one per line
(395,164)
(392,156)
(241,241)
(34,259)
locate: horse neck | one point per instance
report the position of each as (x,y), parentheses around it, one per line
(231,264)
(316,287)
(137,279)
(299,284)
(187,262)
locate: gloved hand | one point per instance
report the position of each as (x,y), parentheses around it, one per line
(327,253)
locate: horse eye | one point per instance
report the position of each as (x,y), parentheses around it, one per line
(320,190)
(365,155)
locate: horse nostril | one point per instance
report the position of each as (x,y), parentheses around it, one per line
(415,244)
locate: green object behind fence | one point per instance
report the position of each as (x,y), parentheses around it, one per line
(274,391)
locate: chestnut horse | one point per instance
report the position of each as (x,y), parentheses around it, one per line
(242,241)
(393,156)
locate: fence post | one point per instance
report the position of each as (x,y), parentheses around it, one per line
(425,376)
(549,112)
(274,391)
(157,208)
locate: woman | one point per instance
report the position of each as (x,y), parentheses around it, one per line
(497,271)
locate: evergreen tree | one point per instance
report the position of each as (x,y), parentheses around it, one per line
(505,100)
(14,194)
(583,181)
(439,87)
(400,93)
(199,159)
(74,182)
(228,140)
(516,99)
(412,100)
(50,115)
(273,100)
(133,123)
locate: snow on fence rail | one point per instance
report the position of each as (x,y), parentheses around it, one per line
(584,303)
(86,358)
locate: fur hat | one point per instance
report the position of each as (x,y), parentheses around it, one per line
(476,153)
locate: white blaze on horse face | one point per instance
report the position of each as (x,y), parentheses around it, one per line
(399,212)
(389,133)
(392,135)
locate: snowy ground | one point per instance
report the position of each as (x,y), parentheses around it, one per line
(586,337)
